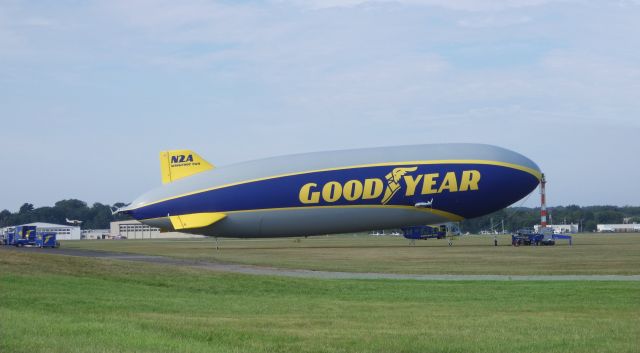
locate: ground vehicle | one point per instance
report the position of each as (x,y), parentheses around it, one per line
(7,237)
(526,236)
(46,240)
(23,235)
(425,232)
(29,236)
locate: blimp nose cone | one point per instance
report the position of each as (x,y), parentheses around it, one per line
(507,177)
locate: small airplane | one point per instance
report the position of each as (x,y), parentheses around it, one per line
(73,221)
(116,210)
(334,192)
(425,204)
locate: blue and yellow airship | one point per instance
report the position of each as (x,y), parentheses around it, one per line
(335,192)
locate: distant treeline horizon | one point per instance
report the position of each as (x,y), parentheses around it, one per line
(98,216)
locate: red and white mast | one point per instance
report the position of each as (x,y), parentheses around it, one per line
(543,203)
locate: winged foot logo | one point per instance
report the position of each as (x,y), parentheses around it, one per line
(374,188)
(393,182)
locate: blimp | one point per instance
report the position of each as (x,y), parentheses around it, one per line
(334,192)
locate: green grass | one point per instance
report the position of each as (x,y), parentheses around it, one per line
(52,303)
(617,254)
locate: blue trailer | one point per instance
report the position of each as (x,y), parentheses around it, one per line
(24,235)
(46,240)
(425,232)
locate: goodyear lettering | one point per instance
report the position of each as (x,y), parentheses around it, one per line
(331,191)
(352,190)
(412,182)
(449,183)
(428,184)
(373,188)
(470,179)
(307,196)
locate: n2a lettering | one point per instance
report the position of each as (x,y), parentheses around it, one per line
(181,158)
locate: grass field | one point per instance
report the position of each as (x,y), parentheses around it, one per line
(590,254)
(51,303)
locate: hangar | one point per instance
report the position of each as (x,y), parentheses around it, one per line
(96,234)
(132,229)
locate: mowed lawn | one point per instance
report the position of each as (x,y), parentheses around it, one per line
(52,303)
(617,254)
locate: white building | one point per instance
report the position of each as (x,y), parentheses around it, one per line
(63,232)
(95,233)
(618,228)
(135,230)
(559,228)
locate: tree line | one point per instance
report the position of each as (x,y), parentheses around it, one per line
(98,216)
(586,217)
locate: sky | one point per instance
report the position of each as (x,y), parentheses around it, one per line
(92,91)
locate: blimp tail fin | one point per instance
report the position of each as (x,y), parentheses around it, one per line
(196,220)
(178,164)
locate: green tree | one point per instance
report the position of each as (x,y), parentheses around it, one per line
(25,208)
(4,215)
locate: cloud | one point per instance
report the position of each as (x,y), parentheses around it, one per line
(195,20)
(493,21)
(459,5)
(241,80)
(37,22)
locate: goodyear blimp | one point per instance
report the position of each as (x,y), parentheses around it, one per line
(334,192)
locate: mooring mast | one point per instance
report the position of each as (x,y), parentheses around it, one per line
(543,203)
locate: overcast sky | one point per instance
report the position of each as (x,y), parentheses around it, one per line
(91,91)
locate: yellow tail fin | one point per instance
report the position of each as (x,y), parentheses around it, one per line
(180,164)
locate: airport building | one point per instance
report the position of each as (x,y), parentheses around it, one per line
(95,234)
(63,231)
(618,228)
(133,229)
(125,229)
(559,228)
